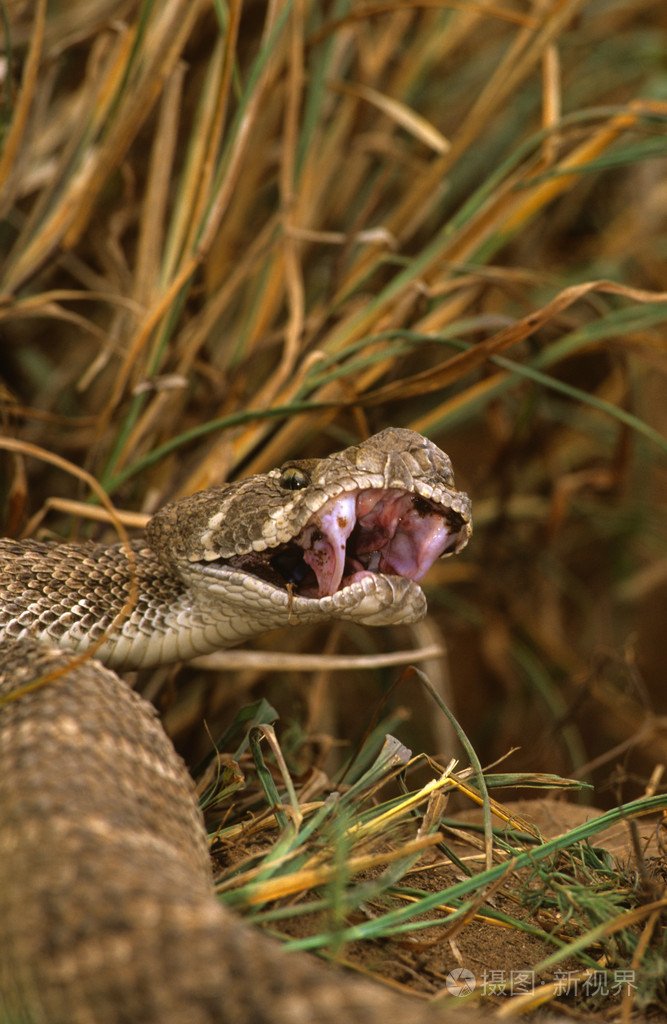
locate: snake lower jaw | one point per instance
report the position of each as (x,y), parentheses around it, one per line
(380,601)
(370,598)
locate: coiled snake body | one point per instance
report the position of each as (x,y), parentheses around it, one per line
(107,912)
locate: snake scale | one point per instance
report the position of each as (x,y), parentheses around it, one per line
(107,912)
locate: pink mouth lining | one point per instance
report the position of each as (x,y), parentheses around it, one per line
(375,531)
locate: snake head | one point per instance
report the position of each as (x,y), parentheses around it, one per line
(348,536)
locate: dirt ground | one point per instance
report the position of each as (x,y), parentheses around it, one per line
(489,961)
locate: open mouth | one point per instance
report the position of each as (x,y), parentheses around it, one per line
(357,534)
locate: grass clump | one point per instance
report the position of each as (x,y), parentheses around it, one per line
(377,874)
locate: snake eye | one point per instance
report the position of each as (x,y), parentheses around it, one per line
(293,479)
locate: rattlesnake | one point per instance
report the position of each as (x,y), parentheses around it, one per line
(106,906)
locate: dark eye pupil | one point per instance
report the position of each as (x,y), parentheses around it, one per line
(293,479)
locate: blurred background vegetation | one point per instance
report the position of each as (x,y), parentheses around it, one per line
(236,233)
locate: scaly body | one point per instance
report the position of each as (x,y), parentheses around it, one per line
(107,913)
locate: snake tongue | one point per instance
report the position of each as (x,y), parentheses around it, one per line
(324,544)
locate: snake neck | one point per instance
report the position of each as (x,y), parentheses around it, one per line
(121,605)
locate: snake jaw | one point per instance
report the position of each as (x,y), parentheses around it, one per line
(361,533)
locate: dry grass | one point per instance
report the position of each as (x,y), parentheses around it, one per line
(233,234)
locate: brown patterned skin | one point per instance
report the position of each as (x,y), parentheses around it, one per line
(107,912)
